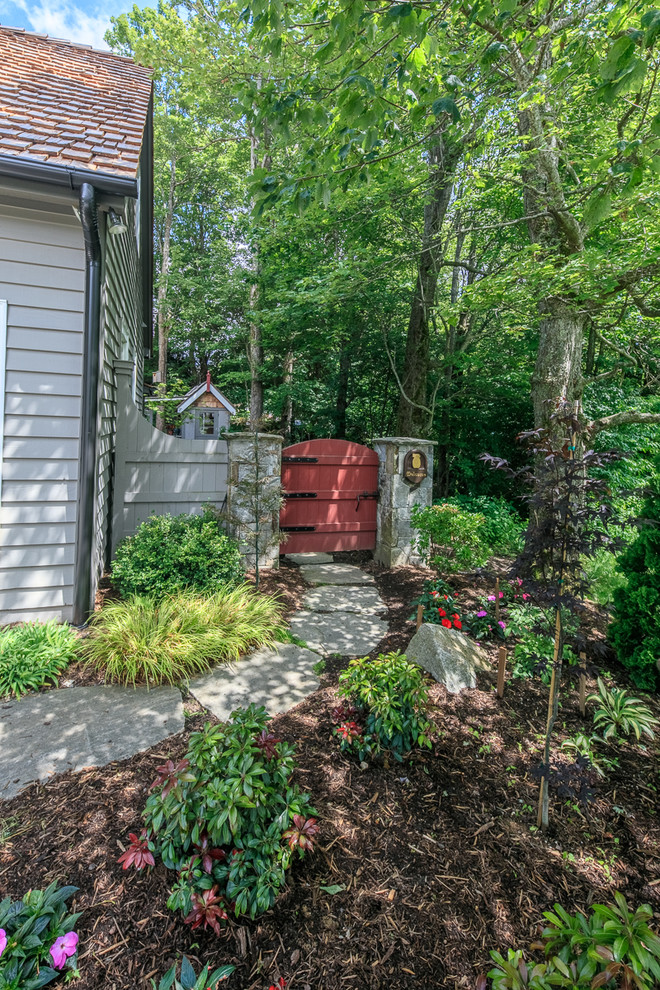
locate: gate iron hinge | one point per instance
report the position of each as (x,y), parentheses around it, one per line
(301,495)
(300,460)
(297,529)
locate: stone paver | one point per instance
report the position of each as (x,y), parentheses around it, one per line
(68,729)
(310,558)
(335,574)
(278,679)
(329,598)
(346,633)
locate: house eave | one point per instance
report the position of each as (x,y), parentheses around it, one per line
(69,176)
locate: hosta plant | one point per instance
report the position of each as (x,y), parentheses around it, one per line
(386,703)
(619,713)
(34,654)
(37,938)
(227,820)
(188,980)
(613,946)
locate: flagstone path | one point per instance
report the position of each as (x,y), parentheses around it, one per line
(72,728)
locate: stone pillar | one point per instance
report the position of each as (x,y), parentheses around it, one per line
(253,492)
(397,496)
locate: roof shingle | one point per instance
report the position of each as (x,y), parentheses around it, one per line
(69,105)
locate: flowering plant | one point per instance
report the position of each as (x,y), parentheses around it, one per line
(225,819)
(440,604)
(37,940)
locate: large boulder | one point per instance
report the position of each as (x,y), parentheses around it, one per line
(448,655)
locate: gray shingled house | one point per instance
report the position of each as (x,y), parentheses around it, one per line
(75,298)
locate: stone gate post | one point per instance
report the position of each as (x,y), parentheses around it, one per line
(253,485)
(405,478)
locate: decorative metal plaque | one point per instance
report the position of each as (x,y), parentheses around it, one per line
(415,467)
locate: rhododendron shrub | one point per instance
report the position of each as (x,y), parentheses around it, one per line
(228,820)
(37,938)
(385,708)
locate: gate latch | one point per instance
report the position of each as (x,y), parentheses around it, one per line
(364,495)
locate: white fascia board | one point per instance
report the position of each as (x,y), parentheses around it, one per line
(3,371)
(199,391)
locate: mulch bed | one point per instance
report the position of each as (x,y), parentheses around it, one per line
(438,858)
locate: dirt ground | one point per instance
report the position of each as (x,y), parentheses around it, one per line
(438,859)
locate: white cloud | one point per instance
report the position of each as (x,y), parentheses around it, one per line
(63,19)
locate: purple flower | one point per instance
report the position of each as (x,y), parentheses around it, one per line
(480,615)
(3,940)
(502,624)
(62,948)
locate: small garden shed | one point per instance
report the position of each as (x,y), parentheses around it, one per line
(206,412)
(75,297)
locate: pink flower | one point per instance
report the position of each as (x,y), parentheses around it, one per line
(525,597)
(482,614)
(3,940)
(491,598)
(502,624)
(62,948)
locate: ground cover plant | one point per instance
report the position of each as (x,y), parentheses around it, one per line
(170,553)
(37,938)
(385,707)
(228,820)
(156,641)
(34,654)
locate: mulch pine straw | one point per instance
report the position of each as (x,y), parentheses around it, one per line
(438,859)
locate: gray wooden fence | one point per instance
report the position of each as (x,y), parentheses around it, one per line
(156,473)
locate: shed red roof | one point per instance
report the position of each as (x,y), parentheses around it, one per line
(67,104)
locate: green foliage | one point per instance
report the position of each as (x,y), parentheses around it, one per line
(28,930)
(34,654)
(143,640)
(170,553)
(387,707)
(635,632)
(228,820)
(613,945)
(448,538)
(603,576)
(503,529)
(187,980)
(620,714)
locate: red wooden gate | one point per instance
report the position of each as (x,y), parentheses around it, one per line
(331,491)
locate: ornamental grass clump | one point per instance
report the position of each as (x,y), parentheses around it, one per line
(227,820)
(37,938)
(143,640)
(385,707)
(34,654)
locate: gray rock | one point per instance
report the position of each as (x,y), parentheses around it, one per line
(69,729)
(448,655)
(345,633)
(328,598)
(310,558)
(335,574)
(278,679)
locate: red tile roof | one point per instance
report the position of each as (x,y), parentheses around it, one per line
(67,104)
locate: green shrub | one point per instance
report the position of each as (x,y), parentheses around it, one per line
(503,528)
(188,980)
(168,640)
(635,632)
(227,819)
(170,553)
(37,940)
(34,654)
(604,577)
(612,946)
(386,709)
(448,538)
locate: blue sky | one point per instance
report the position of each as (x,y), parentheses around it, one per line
(76,20)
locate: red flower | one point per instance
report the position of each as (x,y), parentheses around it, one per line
(280,985)
(138,853)
(455,615)
(441,611)
(458,623)
(446,623)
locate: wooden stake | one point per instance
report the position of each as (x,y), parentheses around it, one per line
(542,817)
(583,683)
(420,616)
(501,670)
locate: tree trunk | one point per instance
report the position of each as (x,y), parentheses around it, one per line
(414,417)
(255,345)
(287,415)
(342,392)
(162,305)
(558,370)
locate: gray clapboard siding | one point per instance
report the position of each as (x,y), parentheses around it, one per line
(156,473)
(42,278)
